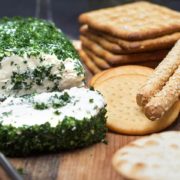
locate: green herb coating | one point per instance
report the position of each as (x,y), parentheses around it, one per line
(32,36)
(68,134)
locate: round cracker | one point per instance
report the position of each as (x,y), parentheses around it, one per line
(124,115)
(95,77)
(153,157)
(129,69)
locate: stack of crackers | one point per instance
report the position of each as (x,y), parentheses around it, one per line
(139,33)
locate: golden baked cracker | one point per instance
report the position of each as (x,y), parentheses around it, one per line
(124,115)
(95,77)
(97,60)
(162,42)
(160,76)
(128,69)
(165,98)
(111,43)
(108,45)
(135,21)
(121,59)
(155,157)
(101,63)
(88,62)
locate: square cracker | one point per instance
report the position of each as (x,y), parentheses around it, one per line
(120,46)
(121,59)
(89,62)
(135,21)
(103,64)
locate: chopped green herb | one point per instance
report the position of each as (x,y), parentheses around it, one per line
(105,141)
(40,73)
(65,97)
(19,80)
(33,36)
(57,112)
(91,100)
(21,171)
(40,106)
(7,113)
(59,101)
(79,69)
(91,88)
(41,59)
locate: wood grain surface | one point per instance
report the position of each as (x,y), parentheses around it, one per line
(90,163)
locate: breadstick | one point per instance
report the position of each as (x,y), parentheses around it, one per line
(160,76)
(165,98)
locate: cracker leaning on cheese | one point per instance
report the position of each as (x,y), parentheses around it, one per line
(160,76)
(165,98)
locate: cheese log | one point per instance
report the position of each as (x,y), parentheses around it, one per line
(36,57)
(51,122)
(160,76)
(165,98)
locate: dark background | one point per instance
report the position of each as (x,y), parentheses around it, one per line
(64,12)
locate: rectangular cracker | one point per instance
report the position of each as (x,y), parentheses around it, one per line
(120,46)
(134,21)
(97,60)
(101,63)
(114,59)
(106,44)
(88,62)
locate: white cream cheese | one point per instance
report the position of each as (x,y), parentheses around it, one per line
(82,103)
(24,81)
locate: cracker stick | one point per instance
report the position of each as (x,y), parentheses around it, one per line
(165,98)
(160,76)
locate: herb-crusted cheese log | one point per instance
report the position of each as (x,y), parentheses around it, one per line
(50,122)
(35,56)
